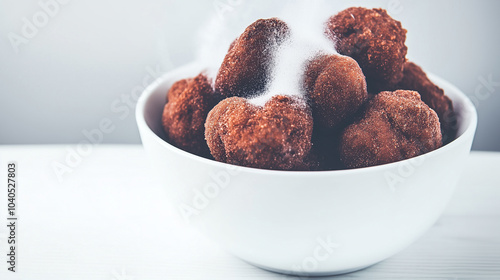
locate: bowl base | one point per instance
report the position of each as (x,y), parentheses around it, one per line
(308,273)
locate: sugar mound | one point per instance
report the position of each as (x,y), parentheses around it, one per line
(306,20)
(307,40)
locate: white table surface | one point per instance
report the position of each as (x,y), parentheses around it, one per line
(108,219)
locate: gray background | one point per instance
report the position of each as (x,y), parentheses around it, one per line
(89,59)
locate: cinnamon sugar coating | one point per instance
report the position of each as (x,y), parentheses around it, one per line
(347,117)
(246,67)
(336,87)
(415,79)
(275,136)
(183,119)
(375,40)
(396,125)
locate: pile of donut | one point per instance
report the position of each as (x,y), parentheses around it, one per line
(365,106)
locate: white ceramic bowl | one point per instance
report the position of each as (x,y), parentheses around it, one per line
(306,223)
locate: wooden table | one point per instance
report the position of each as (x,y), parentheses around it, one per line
(105,217)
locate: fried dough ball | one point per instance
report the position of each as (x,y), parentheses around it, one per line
(275,136)
(188,103)
(415,79)
(246,67)
(336,88)
(375,40)
(396,125)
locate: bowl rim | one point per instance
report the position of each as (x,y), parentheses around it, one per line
(468,107)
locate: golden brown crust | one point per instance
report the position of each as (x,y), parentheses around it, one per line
(375,40)
(183,119)
(276,136)
(246,67)
(415,79)
(347,118)
(336,88)
(396,125)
